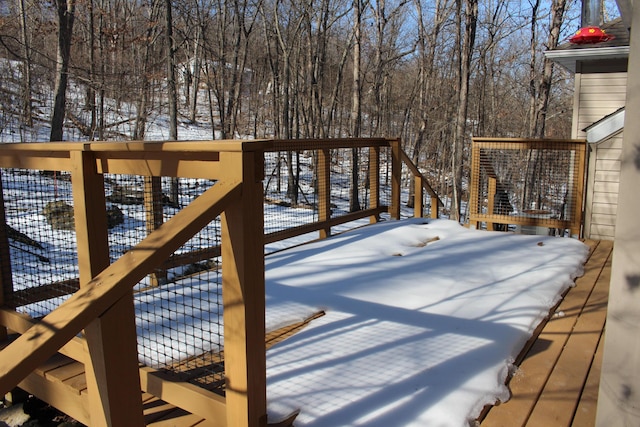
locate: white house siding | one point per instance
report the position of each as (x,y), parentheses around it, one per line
(601,90)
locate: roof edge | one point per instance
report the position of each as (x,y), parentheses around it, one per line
(569,58)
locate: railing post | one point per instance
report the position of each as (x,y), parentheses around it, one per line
(374,181)
(111,366)
(435,206)
(418,197)
(579,190)
(6,281)
(243,293)
(491,199)
(324,190)
(396,178)
(474,183)
(154,217)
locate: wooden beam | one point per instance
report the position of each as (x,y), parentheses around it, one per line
(54,330)
(243,292)
(111,367)
(418,202)
(396,179)
(425,183)
(315,226)
(186,396)
(330,143)
(324,190)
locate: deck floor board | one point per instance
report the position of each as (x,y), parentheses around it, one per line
(558,377)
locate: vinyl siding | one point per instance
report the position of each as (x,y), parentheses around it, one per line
(598,95)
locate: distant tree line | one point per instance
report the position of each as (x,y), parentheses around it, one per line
(431,72)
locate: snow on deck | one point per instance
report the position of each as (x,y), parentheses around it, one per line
(423,320)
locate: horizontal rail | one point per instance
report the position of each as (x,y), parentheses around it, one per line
(329,143)
(528,144)
(523,220)
(199,159)
(277,236)
(416,172)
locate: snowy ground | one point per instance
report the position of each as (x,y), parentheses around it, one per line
(423,320)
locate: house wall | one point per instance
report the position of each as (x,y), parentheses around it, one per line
(600,89)
(618,400)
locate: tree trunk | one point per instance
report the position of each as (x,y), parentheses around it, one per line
(66,11)
(542,102)
(356,109)
(27,115)
(173,98)
(466,50)
(171,74)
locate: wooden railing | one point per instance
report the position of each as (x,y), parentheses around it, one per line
(536,186)
(102,308)
(103,305)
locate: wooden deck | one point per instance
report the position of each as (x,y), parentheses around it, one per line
(557,381)
(66,380)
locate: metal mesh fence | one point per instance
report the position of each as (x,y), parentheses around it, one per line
(42,243)
(534,186)
(293,199)
(178,307)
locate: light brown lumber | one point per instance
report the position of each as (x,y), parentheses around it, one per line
(561,394)
(178,418)
(58,395)
(529,380)
(585,415)
(65,372)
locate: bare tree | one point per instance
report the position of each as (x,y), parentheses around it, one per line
(459,139)
(356,98)
(545,80)
(66,15)
(27,115)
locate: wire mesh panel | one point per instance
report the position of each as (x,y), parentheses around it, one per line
(322,185)
(289,187)
(536,186)
(42,243)
(179,306)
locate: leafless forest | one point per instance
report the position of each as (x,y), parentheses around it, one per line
(434,72)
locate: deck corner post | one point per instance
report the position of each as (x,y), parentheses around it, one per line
(243,293)
(111,364)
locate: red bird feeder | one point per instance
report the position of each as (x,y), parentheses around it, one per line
(587,35)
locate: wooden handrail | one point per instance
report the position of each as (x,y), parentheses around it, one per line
(416,172)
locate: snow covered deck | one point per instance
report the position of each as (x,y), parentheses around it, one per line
(387,342)
(556,382)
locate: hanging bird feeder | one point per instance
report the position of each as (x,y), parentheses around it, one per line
(589,35)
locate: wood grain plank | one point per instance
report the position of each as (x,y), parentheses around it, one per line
(534,371)
(585,415)
(560,397)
